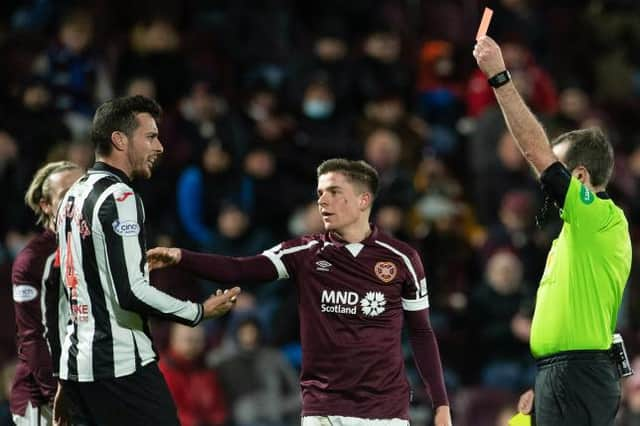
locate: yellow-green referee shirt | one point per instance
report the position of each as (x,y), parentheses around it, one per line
(584,277)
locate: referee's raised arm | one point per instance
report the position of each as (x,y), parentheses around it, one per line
(523,125)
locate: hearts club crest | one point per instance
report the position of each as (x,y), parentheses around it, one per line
(386,271)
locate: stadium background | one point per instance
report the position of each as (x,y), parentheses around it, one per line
(257,92)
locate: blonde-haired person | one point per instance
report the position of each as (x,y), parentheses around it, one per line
(35,277)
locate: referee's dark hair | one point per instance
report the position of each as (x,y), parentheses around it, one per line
(591,149)
(119,114)
(357,171)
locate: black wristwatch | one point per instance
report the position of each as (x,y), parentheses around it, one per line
(500,79)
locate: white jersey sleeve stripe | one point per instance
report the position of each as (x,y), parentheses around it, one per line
(276,253)
(415,304)
(272,255)
(43,296)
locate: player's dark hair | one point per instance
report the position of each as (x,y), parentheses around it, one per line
(591,149)
(119,115)
(357,171)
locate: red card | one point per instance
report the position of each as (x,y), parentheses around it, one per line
(484,24)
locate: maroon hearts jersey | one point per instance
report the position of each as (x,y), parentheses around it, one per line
(36,291)
(351,302)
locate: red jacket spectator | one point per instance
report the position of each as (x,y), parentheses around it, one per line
(195,390)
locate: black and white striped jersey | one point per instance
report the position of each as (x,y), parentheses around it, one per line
(104,272)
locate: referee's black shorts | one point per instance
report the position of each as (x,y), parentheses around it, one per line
(141,398)
(576,388)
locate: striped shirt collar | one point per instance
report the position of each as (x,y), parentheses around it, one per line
(101,166)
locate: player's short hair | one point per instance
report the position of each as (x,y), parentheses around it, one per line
(591,149)
(39,188)
(357,171)
(119,115)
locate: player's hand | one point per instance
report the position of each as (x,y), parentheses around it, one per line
(443,416)
(161,257)
(488,56)
(220,303)
(525,404)
(61,415)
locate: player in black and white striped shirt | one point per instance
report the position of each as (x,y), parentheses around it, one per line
(107,364)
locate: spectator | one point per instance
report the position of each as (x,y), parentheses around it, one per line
(13,177)
(195,389)
(382,149)
(70,67)
(322,132)
(382,67)
(34,124)
(329,55)
(390,111)
(449,258)
(237,235)
(267,133)
(440,93)
(154,50)
(261,385)
(574,110)
(516,229)
(142,85)
(500,317)
(510,173)
(202,189)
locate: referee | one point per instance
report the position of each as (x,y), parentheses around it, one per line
(108,363)
(587,267)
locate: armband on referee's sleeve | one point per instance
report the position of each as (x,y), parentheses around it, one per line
(555,181)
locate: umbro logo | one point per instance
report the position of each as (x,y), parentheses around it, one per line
(323,265)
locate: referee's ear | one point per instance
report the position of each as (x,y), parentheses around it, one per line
(582,174)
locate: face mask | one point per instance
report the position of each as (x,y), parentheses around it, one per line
(316,109)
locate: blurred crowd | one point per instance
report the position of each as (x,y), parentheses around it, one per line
(256,93)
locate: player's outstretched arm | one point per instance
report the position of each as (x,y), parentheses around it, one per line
(214,267)
(523,125)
